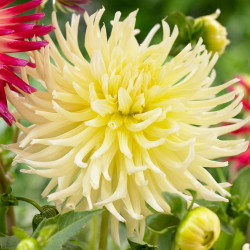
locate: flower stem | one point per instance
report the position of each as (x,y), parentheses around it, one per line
(153,238)
(33,203)
(93,245)
(11,219)
(38,10)
(104,230)
(3,224)
(3,180)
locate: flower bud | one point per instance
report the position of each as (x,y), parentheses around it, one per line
(37,219)
(214,34)
(49,211)
(28,244)
(198,230)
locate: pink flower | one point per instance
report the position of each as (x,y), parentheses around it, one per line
(242,160)
(13,30)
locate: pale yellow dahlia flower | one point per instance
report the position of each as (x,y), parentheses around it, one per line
(127,125)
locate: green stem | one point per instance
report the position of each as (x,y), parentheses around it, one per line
(93,245)
(248,233)
(33,203)
(3,180)
(104,230)
(153,238)
(15,135)
(38,10)
(11,219)
(3,224)
(220,175)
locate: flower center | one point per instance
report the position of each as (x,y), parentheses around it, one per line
(208,238)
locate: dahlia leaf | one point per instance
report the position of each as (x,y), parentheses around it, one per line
(8,242)
(136,244)
(160,223)
(166,241)
(177,204)
(19,233)
(241,187)
(68,225)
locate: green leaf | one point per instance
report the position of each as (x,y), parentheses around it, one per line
(240,186)
(6,133)
(19,233)
(136,244)
(226,227)
(166,241)
(68,225)
(45,233)
(232,242)
(8,242)
(160,223)
(238,240)
(177,204)
(74,245)
(241,222)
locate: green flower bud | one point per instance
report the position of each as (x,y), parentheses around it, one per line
(49,211)
(198,230)
(214,34)
(28,244)
(36,221)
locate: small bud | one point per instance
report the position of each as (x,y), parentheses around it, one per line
(199,229)
(28,244)
(49,211)
(214,34)
(36,221)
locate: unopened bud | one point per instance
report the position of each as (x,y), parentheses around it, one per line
(198,230)
(214,34)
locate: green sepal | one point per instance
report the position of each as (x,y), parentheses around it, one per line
(136,244)
(177,204)
(161,223)
(19,233)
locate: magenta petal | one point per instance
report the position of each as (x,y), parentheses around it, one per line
(74,7)
(8,60)
(6,32)
(15,10)
(4,3)
(22,19)
(10,46)
(11,78)
(36,31)
(4,113)
(18,27)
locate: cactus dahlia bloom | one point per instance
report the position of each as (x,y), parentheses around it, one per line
(118,130)
(13,29)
